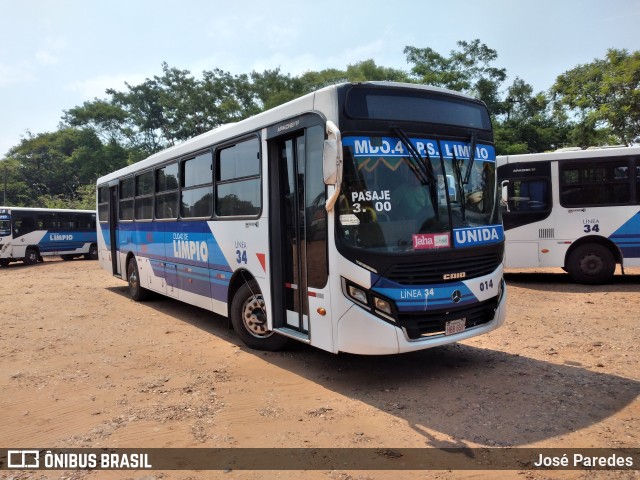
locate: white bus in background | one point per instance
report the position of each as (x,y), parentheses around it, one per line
(574,209)
(29,234)
(325,220)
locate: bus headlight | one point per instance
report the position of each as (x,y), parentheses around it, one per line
(369,300)
(357,294)
(382,305)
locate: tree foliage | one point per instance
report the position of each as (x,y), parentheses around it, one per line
(591,104)
(55,167)
(528,123)
(605,93)
(466,70)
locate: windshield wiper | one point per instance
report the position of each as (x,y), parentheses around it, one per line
(422,168)
(472,154)
(460,182)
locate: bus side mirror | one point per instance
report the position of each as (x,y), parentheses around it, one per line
(505,194)
(329,163)
(332,163)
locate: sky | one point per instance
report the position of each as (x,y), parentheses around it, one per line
(57,54)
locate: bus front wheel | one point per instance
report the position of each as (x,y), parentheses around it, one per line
(92,254)
(249,319)
(592,264)
(31,256)
(137,292)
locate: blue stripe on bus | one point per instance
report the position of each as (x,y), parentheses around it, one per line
(60,246)
(65,240)
(422,298)
(179,245)
(162,240)
(627,237)
(190,280)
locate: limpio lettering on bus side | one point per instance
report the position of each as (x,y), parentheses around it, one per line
(60,237)
(189,249)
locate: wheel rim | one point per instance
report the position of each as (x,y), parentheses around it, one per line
(133,277)
(254,317)
(591,264)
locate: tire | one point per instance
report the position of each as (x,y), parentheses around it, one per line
(92,254)
(67,258)
(249,319)
(4,262)
(31,256)
(591,264)
(136,291)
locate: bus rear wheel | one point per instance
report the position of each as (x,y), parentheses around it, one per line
(249,319)
(137,292)
(592,264)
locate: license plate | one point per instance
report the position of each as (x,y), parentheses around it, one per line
(454,326)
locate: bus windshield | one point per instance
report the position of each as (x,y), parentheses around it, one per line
(440,197)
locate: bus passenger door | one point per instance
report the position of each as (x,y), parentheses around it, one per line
(298,228)
(113,230)
(292,230)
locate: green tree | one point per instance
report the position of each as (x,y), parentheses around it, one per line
(528,124)
(57,166)
(104,118)
(171,108)
(369,71)
(271,88)
(15,189)
(466,70)
(604,94)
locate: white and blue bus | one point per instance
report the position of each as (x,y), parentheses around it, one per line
(325,220)
(574,209)
(29,234)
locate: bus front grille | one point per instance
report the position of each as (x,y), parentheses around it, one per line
(433,270)
(426,324)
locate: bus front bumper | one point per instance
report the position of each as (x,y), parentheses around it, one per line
(362,333)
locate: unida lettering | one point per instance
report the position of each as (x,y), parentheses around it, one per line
(477,236)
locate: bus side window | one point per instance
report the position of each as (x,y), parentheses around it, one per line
(529,195)
(24,225)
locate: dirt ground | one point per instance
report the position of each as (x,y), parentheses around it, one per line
(82,365)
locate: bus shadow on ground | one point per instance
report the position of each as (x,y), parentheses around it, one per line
(468,395)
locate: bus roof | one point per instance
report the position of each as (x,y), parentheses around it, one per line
(35,209)
(307,103)
(569,154)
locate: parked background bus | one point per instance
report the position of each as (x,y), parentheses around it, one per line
(28,234)
(325,220)
(575,209)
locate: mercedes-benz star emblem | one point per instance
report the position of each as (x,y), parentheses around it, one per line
(456,296)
